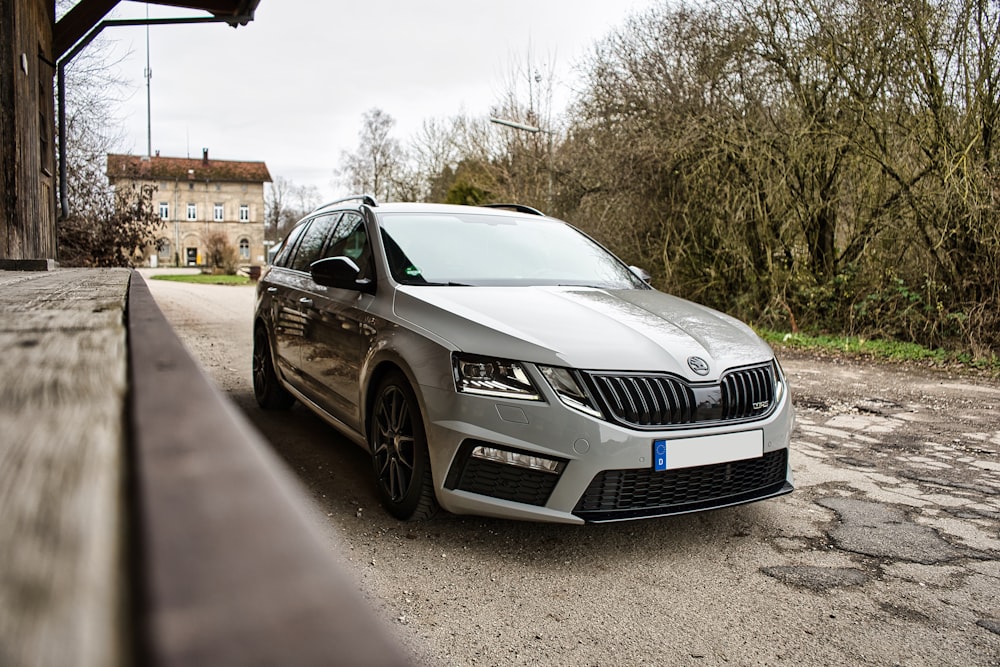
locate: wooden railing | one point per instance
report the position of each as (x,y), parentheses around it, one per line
(142,520)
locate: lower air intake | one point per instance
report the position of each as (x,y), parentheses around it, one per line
(520,485)
(615,495)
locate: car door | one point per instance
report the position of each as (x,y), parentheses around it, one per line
(337,334)
(291,295)
(285,321)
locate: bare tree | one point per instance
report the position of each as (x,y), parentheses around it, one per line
(220,254)
(113,232)
(285,203)
(521,163)
(378,165)
(468,159)
(95,86)
(435,153)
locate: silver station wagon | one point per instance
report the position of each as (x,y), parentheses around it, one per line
(496,361)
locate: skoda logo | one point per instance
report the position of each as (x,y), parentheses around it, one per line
(698,365)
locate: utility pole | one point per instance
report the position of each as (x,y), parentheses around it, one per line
(532,129)
(149,104)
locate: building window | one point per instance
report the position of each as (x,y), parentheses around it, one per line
(164,210)
(192,211)
(217,213)
(163,250)
(244,249)
(244,213)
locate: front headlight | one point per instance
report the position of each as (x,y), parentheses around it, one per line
(570,391)
(499,378)
(779,381)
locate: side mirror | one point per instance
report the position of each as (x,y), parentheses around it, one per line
(339,272)
(642,274)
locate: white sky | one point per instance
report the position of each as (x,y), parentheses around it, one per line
(290,87)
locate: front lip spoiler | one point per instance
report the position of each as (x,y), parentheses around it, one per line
(772,491)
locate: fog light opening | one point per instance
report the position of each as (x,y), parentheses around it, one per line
(529,461)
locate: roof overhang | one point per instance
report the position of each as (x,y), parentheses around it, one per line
(86,14)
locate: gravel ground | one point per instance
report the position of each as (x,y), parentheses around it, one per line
(888,552)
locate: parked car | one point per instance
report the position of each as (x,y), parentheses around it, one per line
(496,361)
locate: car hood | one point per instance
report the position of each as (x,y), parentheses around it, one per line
(586,328)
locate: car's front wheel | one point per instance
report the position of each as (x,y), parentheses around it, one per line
(267,388)
(399,452)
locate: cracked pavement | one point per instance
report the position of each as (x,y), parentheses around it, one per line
(905,463)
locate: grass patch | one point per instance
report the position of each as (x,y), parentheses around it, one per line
(204,278)
(880,349)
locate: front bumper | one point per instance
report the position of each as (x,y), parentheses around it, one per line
(607,470)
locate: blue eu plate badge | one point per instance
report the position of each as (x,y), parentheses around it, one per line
(659,455)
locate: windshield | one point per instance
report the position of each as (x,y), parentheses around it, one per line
(485,249)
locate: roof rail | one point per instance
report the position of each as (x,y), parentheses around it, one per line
(365,199)
(520,208)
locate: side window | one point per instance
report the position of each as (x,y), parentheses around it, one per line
(312,242)
(283,255)
(351,240)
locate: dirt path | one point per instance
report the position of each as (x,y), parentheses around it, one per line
(887,553)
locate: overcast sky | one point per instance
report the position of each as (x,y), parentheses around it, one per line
(290,88)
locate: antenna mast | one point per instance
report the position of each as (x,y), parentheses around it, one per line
(149,106)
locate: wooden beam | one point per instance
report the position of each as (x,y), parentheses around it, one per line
(62,398)
(231,570)
(217,7)
(77,22)
(86,14)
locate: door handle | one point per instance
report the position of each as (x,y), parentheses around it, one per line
(272,290)
(305,301)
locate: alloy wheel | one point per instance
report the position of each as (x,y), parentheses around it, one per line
(394,444)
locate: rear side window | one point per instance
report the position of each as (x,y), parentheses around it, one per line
(284,254)
(309,248)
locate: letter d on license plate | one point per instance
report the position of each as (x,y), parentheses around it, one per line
(659,455)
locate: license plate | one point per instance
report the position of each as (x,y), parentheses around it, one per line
(707,449)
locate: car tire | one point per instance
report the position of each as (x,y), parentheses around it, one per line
(399,452)
(267,388)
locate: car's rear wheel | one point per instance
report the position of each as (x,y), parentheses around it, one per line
(267,388)
(399,452)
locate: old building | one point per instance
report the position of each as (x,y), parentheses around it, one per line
(196,198)
(33,47)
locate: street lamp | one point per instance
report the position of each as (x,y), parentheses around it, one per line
(533,130)
(515,125)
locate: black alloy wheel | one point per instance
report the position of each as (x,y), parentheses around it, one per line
(267,389)
(399,452)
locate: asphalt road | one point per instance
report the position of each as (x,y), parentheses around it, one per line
(888,552)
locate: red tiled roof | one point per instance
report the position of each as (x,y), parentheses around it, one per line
(183,169)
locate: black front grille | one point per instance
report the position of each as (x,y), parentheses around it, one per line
(629,494)
(647,400)
(748,392)
(658,400)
